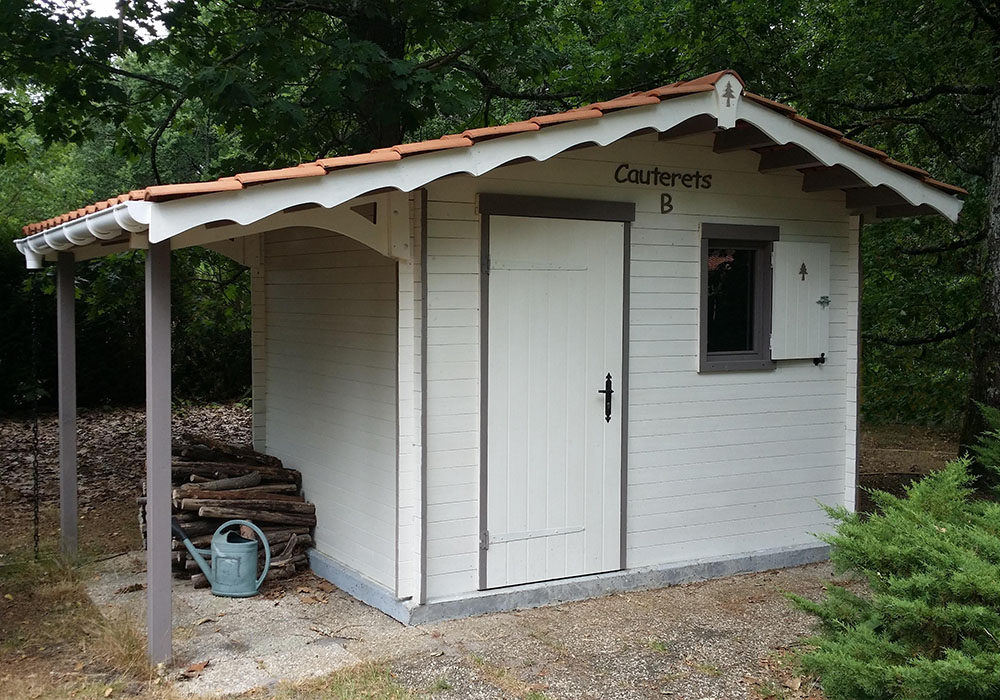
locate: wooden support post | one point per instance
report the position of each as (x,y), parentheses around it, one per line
(158,390)
(66,359)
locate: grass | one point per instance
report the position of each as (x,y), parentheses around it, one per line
(54,642)
(657,645)
(441,683)
(367,681)
(770,690)
(506,681)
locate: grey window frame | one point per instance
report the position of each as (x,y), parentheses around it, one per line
(760,239)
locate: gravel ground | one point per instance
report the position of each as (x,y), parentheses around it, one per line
(718,640)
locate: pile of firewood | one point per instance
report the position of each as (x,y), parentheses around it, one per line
(214,482)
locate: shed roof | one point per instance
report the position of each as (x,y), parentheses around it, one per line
(469,137)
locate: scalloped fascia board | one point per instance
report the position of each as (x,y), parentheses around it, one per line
(166,220)
(783,130)
(246,206)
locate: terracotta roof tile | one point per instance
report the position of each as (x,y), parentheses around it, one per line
(623,102)
(777,106)
(868,150)
(500,130)
(678,89)
(468,137)
(572,115)
(380,156)
(911,169)
(954,189)
(822,128)
(713,78)
(311,170)
(406,149)
(224,185)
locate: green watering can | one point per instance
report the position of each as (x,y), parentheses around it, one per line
(233,572)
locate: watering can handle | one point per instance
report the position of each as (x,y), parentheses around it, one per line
(263,539)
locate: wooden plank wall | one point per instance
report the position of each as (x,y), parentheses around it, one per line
(331,398)
(719,464)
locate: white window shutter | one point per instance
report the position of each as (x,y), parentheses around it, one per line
(800,304)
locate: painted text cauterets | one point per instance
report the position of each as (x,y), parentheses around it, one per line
(662,178)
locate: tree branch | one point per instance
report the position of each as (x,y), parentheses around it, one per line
(945,247)
(977,169)
(155,141)
(926,340)
(498,91)
(138,76)
(987,16)
(446,59)
(935,91)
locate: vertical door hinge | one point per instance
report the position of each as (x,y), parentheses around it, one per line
(484,540)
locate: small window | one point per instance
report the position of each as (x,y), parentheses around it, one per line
(736,297)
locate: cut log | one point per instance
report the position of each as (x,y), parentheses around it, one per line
(182,471)
(278,536)
(275,537)
(225,448)
(290,561)
(200,581)
(233,482)
(250,504)
(283,573)
(263,516)
(285,489)
(237,494)
(199,527)
(289,548)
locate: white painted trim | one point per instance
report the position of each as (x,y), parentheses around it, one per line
(783,130)
(127,217)
(410,173)
(250,209)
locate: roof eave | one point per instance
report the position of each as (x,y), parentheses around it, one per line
(106,224)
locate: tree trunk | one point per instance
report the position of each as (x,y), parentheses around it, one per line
(986,353)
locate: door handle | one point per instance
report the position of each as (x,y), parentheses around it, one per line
(607,391)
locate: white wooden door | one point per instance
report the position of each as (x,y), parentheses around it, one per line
(553,470)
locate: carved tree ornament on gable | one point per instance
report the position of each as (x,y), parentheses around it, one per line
(729,94)
(803,271)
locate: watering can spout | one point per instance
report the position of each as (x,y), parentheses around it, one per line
(195,552)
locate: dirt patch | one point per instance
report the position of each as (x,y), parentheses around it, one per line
(725,639)
(111,466)
(48,628)
(894,456)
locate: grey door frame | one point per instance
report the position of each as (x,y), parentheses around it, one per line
(497,204)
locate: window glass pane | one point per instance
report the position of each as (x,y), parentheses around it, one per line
(730,299)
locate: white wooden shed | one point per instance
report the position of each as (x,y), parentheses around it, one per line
(611,348)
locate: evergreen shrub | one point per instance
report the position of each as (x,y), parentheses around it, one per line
(928,625)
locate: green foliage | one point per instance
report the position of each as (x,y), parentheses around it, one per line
(928,627)
(986,451)
(229,85)
(210,294)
